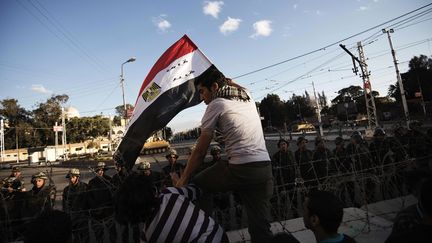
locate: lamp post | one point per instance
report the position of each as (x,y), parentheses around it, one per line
(132,59)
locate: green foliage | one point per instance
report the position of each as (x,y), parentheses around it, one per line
(418,76)
(120,109)
(276,112)
(81,129)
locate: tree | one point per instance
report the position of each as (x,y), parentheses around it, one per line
(418,76)
(322,99)
(168,133)
(46,115)
(19,128)
(81,129)
(120,109)
(272,109)
(299,107)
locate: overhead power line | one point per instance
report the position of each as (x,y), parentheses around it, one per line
(332,44)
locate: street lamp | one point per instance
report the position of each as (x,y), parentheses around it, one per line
(398,76)
(132,59)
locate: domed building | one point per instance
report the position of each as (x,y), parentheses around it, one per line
(72,112)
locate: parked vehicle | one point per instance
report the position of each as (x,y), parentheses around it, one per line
(155,145)
(303,126)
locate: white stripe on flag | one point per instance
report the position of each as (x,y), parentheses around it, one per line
(178,72)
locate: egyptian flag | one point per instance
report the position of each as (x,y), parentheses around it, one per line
(168,89)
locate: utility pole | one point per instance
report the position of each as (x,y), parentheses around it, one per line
(318,111)
(110,134)
(16,142)
(64,143)
(367,87)
(398,76)
(2,146)
(369,99)
(56,140)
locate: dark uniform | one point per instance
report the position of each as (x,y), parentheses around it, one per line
(343,171)
(361,166)
(303,158)
(322,160)
(99,197)
(39,198)
(100,204)
(284,174)
(12,184)
(120,176)
(173,166)
(73,194)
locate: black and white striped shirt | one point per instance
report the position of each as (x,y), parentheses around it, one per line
(178,220)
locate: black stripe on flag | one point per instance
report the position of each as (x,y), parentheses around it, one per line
(157,115)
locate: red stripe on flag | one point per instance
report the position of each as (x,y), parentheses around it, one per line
(177,50)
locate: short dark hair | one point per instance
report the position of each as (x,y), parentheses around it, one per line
(327,207)
(282,141)
(135,199)
(50,226)
(210,76)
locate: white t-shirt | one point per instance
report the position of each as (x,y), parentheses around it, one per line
(240,125)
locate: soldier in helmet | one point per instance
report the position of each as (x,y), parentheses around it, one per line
(340,154)
(322,160)
(303,158)
(144,169)
(385,153)
(361,163)
(121,174)
(172,167)
(343,167)
(379,148)
(284,173)
(73,193)
(99,193)
(41,197)
(13,183)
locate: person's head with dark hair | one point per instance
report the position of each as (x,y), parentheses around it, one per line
(323,214)
(135,199)
(212,75)
(283,145)
(425,199)
(51,226)
(284,237)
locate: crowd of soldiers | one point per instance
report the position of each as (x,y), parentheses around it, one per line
(359,172)
(89,205)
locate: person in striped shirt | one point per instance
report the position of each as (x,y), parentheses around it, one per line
(169,217)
